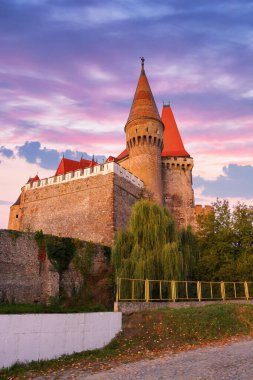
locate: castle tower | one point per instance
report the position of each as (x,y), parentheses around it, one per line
(176,173)
(144,138)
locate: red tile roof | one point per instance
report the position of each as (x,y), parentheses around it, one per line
(173,144)
(110,159)
(66,165)
(122,155)
(33,179)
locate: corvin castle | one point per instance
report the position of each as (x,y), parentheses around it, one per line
(91,201)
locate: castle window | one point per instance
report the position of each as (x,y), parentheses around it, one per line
(159,142)
(134,141)
(154,140)
(144,139)
(136,130)
(17,216)
(147,129)
(139,140)
(150,139)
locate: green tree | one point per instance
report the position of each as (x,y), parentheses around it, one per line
(151,247)
(225,240)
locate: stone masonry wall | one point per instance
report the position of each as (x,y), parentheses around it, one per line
(125,195)
(81,208)
(25,279)
(90,209)
(178,196)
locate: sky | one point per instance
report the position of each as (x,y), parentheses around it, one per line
(69,69)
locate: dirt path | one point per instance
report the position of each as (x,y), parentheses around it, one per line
(232,361)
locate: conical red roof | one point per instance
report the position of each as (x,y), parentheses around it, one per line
(143,105)
(173,144)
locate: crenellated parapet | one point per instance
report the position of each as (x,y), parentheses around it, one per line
(99,169)
(177,163)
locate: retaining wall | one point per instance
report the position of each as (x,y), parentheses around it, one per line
(132,307)
(28,337)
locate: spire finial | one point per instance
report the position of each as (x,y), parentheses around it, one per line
(142,63)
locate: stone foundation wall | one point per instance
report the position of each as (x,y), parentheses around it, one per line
(133,307)
(25,279)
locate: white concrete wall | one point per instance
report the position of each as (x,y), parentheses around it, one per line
(28,337)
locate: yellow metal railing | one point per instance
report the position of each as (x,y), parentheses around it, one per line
(161,290)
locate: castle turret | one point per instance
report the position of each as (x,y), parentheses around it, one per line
(176,173)
(144,137)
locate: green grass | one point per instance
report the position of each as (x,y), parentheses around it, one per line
(37,308)
(149,333)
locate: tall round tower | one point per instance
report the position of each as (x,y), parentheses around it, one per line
(144,138)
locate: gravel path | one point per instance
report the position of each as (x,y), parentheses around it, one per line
(232,361)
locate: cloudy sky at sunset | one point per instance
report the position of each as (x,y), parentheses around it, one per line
(68,72)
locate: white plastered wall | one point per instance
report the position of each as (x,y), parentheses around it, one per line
(28,337)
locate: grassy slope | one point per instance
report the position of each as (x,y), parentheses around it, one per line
(148,333)
(37,308)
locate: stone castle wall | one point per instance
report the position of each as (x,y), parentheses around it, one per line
(81,209)
(90,209)
(125,195)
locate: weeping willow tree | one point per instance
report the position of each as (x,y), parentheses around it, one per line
(151,247)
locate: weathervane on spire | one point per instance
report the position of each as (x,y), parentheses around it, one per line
(142,62)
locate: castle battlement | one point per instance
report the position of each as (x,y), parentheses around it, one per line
(99,169)
(183,163)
